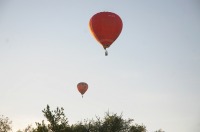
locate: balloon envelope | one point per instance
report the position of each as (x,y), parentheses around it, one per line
(105,27)
(82,87)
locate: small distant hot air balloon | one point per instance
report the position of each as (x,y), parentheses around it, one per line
(82,87)
(105,27)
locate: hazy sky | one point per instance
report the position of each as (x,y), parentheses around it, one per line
(152,72)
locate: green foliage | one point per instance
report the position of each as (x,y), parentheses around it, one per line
(114,123)
(110,123)
(57,122)
(160,130)
(5,124)
(41,127)
(79,127)
(29,128)
(138,128)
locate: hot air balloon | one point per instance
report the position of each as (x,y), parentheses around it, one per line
(105,27)
(82,87)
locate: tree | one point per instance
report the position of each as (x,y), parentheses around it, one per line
(110,123)
(29,128)
(160,130)
(115,123)
(57,121)
(5,124)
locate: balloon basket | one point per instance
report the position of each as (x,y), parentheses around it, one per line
(106,53)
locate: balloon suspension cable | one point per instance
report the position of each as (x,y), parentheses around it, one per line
(106,52)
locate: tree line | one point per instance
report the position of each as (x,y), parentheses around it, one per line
(58,122)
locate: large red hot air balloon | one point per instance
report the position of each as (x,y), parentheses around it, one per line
(82,87)
(105,27)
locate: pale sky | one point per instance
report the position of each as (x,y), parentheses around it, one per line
(152,72)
